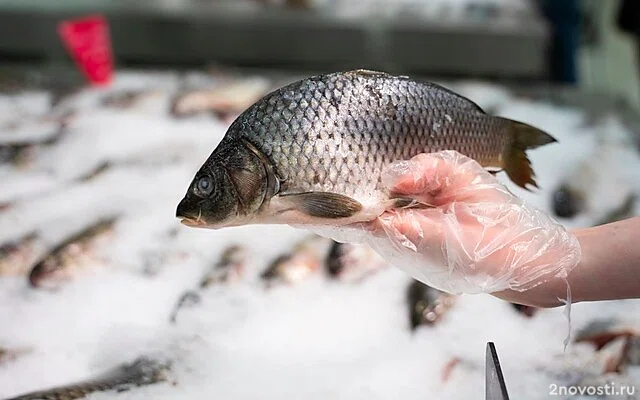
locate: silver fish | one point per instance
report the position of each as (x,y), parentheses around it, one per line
(129,99)
(16,257)
(350,262)
(228,99)
(427,305)
(600,332)
(304,260)
(229,268)
(313,152)
(144,371)
(74,252)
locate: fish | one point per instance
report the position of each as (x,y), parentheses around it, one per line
(600,332)
(189,298)
(617,344)
(129,98)
(21,148)
(427,305)
(228,99)
(314,151)
(142,372)
(303,261)
(352,262)
(18,256)
(45,130)
(229,268)
(73,252)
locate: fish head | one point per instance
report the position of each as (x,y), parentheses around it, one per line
(228,190)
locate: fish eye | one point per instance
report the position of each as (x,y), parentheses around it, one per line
(204,187)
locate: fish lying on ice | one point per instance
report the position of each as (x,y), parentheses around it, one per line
(20,144)
(229,268)
(427,305)
(351,262)
(313,152)
(304,260)
(615,342)
(74,252)
(228,99)
(17,256)
(144,371)
(130,99)
(600,332)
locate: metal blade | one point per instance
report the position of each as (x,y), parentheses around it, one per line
(495,388)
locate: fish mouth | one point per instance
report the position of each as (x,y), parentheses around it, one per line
(193,222)
(186,215)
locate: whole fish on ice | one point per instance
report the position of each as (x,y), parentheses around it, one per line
(74,252)
(143,371)
(313,152)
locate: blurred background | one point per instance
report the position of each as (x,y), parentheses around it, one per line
(112,146)
(583,42)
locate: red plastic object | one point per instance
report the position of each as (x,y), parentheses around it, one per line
(87,40)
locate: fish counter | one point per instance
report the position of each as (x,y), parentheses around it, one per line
(105,295)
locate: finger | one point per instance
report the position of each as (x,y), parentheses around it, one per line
(443,177)
(411,229)
(419,176)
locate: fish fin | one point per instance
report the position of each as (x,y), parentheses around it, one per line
(324,204)
(406,202)
(515,161)
(367,72)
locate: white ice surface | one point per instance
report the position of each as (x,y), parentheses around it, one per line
(317,340)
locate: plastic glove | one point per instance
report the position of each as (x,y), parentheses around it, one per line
(476,238)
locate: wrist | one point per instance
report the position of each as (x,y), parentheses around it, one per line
(552,292)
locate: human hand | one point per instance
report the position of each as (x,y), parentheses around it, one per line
(476,236)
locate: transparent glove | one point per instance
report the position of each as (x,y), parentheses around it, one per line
(476,236)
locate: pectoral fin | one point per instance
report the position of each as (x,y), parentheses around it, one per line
(406,203)
(324,204)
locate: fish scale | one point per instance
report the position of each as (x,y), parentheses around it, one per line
(315,150)
(383,118)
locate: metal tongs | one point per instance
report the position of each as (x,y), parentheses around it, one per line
(495,388)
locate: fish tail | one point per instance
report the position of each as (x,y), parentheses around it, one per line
(515,161)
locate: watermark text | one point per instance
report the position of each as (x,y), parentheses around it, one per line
(609,389)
